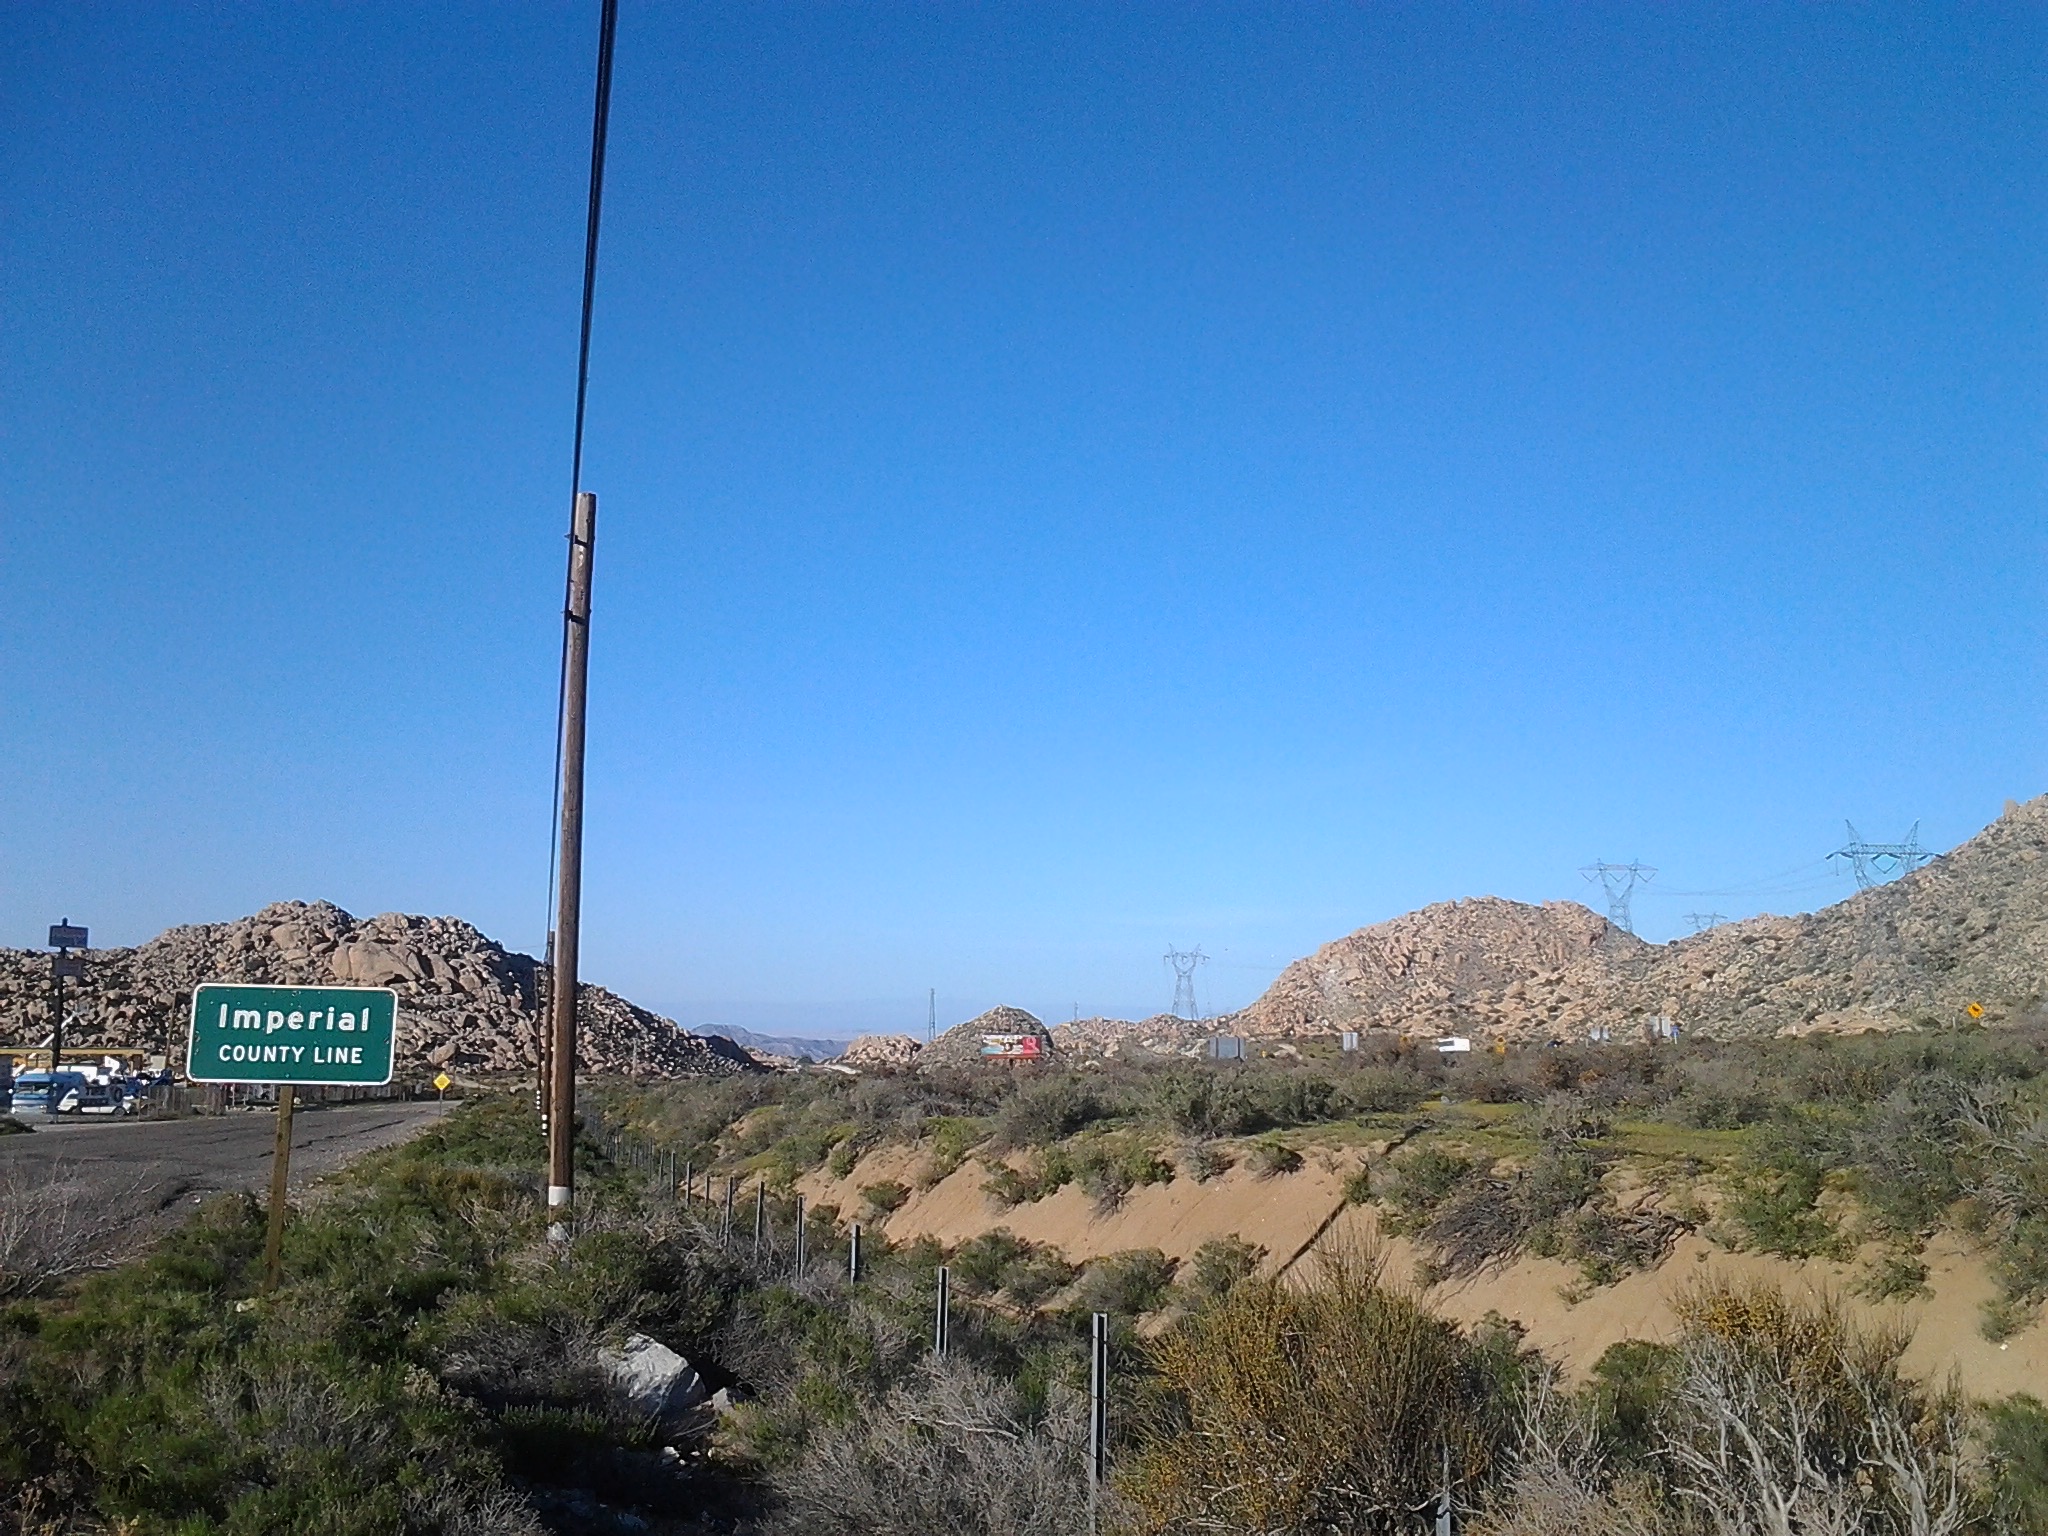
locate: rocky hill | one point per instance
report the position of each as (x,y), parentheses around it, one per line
(1969,927)
(1484,964)
(961,1045)
(464,1000)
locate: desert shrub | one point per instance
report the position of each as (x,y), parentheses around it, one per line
(1420,1180)
(2016,1449)
(1203,1161)
(1048,1110)
(980,1264)
(1125,1284)
(1041,1175)
(1895,1276)
(1632,1382)
(1036,1276)
(1772,1200)
(1491,1080)
(1478,1225)
(1110,1167)
(1218,1266)
(1781,1406)
(1271,1157)
(1358,1186)
(1202,1101)
(952,1449)
(54,1225)
(886,1195)
(1318,1408)
(1379,1091)
(1241,1101)
(952,1138)
(844,1158)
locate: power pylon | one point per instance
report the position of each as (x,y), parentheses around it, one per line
(1620,882)
(1874,863)
(1702,921)
(1184,963)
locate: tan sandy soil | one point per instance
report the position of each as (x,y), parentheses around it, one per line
(1283,1214)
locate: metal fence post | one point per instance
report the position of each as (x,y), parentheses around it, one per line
(853,1255)
(725,1230)
(1098,1414)
(760,1215)
(941,1330)
(799,1237)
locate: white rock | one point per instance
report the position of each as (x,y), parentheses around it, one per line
(651,1378)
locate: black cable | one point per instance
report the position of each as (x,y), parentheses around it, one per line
(600,124)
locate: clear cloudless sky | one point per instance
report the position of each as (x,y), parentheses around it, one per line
(1072,480)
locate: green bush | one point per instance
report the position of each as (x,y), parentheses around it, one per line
(1270,1157)
(886,1195)
(1219,1266)
(1126,1284)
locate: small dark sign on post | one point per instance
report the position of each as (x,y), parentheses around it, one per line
(63,938)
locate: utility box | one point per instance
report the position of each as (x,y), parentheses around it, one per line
(1348,1041)
(1226,1048)
(1454,1045)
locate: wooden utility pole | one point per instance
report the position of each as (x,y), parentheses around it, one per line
(569,894)
(280,1179)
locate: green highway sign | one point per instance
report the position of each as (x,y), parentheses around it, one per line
(336,1036)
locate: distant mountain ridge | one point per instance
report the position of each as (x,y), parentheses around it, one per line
(823,1049)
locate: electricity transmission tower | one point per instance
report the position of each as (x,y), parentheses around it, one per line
(1184,963)
(1702,921)
(1620,882)
(1875,863)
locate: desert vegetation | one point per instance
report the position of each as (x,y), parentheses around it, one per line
(431,1364)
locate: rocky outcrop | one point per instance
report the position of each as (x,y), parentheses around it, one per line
(887,1052)
(1969,927)
(465,1002)
(1164,1034)
(1460,966)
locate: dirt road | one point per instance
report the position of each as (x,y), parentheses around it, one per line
(165,1162)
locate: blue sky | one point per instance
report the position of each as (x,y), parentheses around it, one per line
(1072,481)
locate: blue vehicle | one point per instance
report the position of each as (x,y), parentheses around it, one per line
(33,1090)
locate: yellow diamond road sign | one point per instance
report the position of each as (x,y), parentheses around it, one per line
(1975,1010)
(443,1081)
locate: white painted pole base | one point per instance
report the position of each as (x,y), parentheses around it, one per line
(558,1202)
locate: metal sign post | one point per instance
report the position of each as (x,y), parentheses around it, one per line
(63,938)
(1098,1413)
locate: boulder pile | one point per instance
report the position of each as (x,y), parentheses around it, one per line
(962,1044)
(465,1002)
(887,1052)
